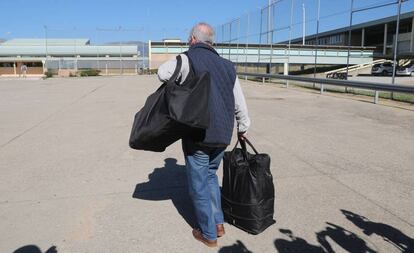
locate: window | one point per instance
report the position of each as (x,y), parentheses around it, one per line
(6,64)
(33,64)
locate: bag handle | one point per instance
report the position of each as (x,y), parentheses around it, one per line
(177,70)
(243,146)
(244,151)
(250,144)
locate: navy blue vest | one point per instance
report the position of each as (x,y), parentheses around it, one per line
(221,103)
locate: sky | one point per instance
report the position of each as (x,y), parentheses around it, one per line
(130,20)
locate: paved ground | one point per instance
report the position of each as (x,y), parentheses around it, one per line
(343,170)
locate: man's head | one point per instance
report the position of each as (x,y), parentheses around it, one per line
(201,32)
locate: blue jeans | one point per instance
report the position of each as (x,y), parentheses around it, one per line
(204,190)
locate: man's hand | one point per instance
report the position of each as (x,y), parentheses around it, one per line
(242,135)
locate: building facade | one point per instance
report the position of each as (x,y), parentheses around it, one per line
(377,33)
(41,55)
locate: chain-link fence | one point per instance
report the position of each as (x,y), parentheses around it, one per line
(321,38)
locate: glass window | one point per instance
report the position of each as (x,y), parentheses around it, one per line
(33,64)
(6,64)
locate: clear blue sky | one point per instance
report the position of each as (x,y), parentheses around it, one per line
(165,18)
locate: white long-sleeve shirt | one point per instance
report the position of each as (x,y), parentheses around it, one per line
(166,70)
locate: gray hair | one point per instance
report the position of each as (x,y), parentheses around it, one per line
(203,32)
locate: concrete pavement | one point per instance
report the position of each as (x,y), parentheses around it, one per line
(343,171)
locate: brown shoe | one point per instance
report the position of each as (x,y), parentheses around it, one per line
(199,237)
(220,230)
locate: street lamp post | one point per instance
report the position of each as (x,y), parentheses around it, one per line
(46,51)
(120,52)
(303,23)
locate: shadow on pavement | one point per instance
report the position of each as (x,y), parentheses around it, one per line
(390,234)
(295,244)
(168,182)
(34,249)
(347,240)
(237,247)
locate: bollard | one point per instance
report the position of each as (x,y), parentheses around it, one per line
(321,88)
(376,97)
(263,80)
(245,78)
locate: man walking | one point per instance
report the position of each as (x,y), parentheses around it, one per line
(23,70)
(202,159)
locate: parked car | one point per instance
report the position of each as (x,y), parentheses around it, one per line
(406,70)
(382,69)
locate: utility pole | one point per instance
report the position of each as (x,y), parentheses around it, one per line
(46,52)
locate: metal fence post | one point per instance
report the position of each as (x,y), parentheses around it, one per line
(247,43)
(317,40)
(260,39)
(290,40)
(270,33)
(396,46)
(238,41)
(349,41)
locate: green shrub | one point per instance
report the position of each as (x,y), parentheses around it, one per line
(48,74)
(90,72)
(153,71)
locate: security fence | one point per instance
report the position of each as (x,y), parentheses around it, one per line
(310,28)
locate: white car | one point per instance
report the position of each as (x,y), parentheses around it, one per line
(382,69)
(406,71)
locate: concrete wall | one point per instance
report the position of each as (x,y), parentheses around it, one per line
(6,71)
(404,41)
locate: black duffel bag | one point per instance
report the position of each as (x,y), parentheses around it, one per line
(172,112)
(248,193)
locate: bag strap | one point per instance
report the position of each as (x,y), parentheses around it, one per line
(243,146)
(244,151)
(190,62)
(177,69)
(251,145)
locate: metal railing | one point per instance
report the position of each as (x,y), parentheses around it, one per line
(335,82)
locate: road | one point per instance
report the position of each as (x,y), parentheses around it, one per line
(343,171)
